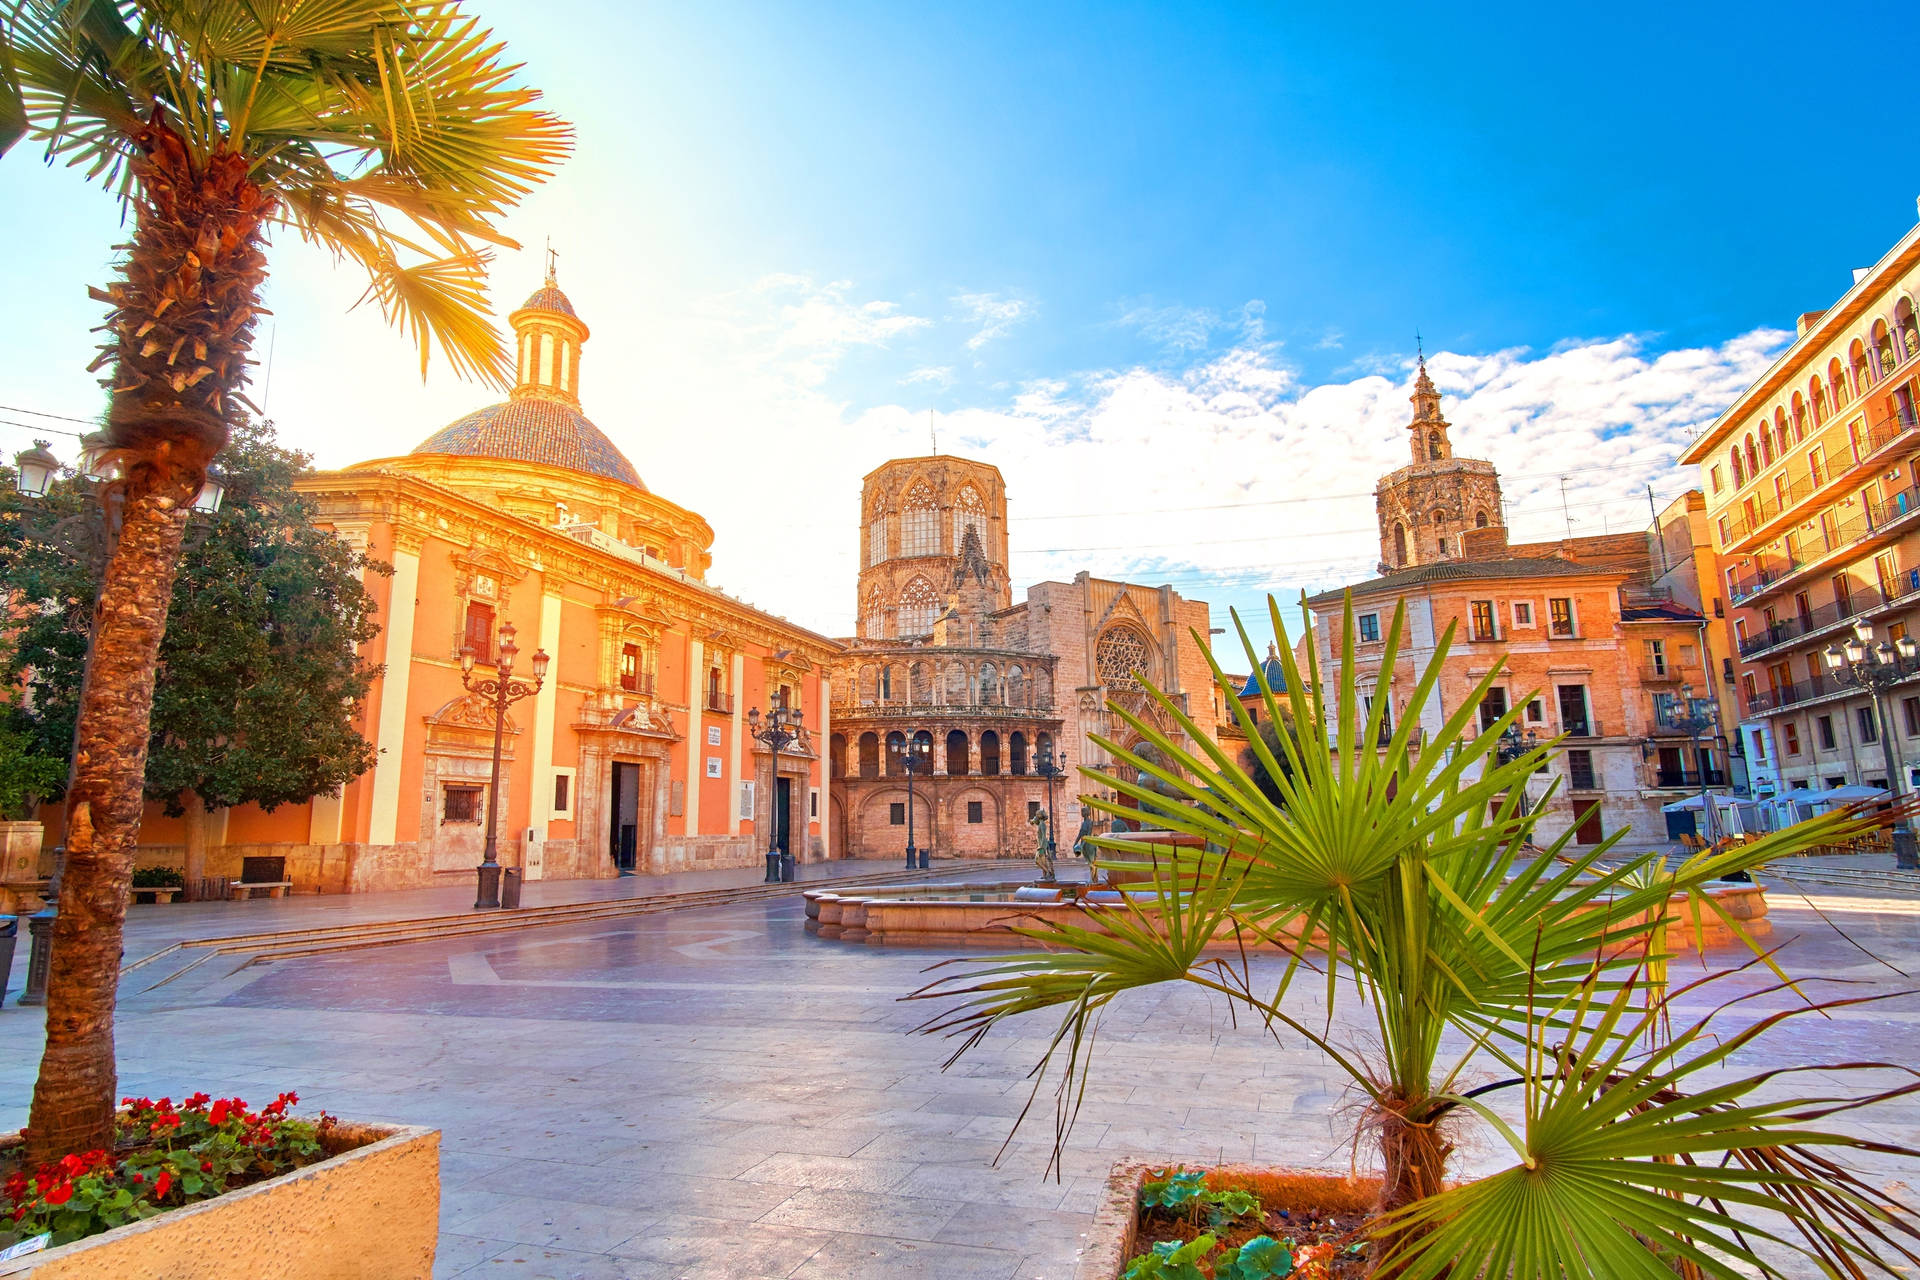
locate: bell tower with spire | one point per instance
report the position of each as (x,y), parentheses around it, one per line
(547,341)
(1438,507)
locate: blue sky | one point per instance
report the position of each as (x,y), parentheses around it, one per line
(1153,260)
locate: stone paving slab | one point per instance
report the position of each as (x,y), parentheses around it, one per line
(715,1093)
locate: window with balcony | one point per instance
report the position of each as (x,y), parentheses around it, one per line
(1817,465)
(1843,593)
(1749,686)
(1574,719)
(1886,569)
(1657,657)
(1823,732)
(1483,628)
(479,631)
(1492,707)
(1803,608)
(1560,616)
(1791,732)
(1869,727)
(1726,532)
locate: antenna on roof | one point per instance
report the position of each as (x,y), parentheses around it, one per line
(933,431)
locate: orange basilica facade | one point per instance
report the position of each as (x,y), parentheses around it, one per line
(636,755)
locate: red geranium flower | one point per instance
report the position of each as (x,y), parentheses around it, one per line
(60,1194)
(161,1183)
(206,1166)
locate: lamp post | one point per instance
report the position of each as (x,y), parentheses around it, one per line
(1876,668)
(917,758)
(502,690)
(1693,724)
(1051,765)
(779,729)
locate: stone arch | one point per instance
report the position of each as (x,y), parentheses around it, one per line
(920,684)
(922,742)
(896,747)
(1739,466)
(919,606)
(990,754)
(874,614)
(869,684)
(957,753)
(956,685)
(878,830)
(920,522)
(869,755)
(1017,753)
(1434,453)
(1880,339)
(1837,383)
(1119,652)
(1016,686)
(1799,417)
(1817,392)
(1480,519)
(1907,322)
(1399,544)
(989,686)
(1042,689)
(888,691)
(1863,373)
(1782,440)
(1753,457)
(837,756)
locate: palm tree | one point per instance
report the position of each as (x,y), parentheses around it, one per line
(389,132)
(1409,880)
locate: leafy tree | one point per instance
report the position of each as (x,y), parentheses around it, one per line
(260,682)
(26,775)
(389,132)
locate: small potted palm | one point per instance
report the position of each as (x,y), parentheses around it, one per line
(1504,984)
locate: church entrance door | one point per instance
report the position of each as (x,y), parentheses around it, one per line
(624,826)
(783,814)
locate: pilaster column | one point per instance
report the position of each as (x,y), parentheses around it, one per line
(545,704)
(391,737)
(696,732)
(737,735)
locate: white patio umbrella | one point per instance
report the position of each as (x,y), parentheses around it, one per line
(1841,795)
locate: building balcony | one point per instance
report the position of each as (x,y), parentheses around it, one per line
(1588,728)
(719,702)
(1691,779)
(858,709)
(1815,689)
(637,682)
(1787,632)
(1774,512)
(1880,522)
(1665,673)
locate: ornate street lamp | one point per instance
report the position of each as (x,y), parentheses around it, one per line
(501,690)
(779,729)
(35,469)
(1051,765)
(1876,668)
(916,758)
(1694,724)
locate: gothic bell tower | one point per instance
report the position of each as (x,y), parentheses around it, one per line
(1429,510)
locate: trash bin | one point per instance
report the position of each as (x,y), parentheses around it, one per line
(510,888)
(9,934)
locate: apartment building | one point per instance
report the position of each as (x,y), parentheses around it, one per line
(1810,479)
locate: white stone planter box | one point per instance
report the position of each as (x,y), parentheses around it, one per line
(371,1213)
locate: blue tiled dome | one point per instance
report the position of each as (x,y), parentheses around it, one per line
(531,429)
(1276,679)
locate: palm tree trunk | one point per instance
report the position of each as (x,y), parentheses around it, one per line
(1414,1153)
(182,323)
(73,1100)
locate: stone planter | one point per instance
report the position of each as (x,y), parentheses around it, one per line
(154,893)
(370,1212)
(1113,1237)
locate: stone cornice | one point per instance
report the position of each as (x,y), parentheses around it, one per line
(418,509)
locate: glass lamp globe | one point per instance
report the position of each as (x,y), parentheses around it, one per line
(1864,630)
(1856,650)
(34,470)
(212,491)
(1835,658)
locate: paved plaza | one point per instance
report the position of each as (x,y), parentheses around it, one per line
(714,1093)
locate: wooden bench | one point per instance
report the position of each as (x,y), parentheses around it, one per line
(261,873)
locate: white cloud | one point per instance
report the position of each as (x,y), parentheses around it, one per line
(940,377)
(1179,329)
(995,315)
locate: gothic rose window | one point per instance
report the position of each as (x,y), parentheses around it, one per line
(1119,653)
(918,606)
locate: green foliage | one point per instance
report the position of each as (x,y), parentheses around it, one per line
(26,773)
(1409,878)
(1185,1192)
(1172,1260)
(158,878)
(163,1157)
(389,131)
(260,683)
(1258,1259)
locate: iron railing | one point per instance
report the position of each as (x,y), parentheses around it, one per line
(1861,600)
(1824,541)
(1844,455)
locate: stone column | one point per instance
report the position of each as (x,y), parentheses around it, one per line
(736,737)
(545,705)
(696,732)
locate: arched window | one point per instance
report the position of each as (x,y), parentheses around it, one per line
(920,684)
(1766,447)
(1118,654)
(837,756)
(1042,690)
(1017,753)
(920,523)
(1433,447)
(875,615)
(989,685)
(869,684)
(896,747)
(1443,546)
(1739,468)
(923,751)
(1753,458)
(1479,519)
(957,753)
(869,755)
(1781,439)
(1837,384)
(1819,391)
(878,527)
(886,683)
(990,754)
(1016,686)
(1439,515)
(1863,374)
(1909,327)
(1799,418)
(1043,746)
(956,685)
(1884,359)
(1399,545)
(919,605)
(969,512)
